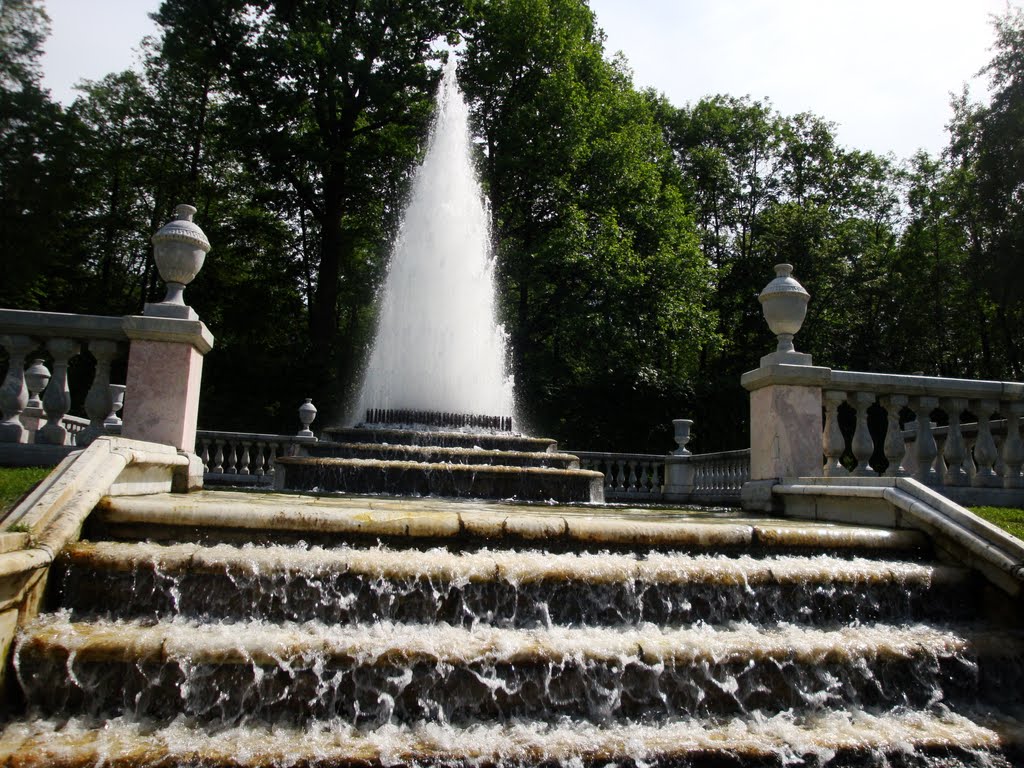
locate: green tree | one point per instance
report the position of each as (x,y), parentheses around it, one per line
(33,163)
(600,270)
(987,153)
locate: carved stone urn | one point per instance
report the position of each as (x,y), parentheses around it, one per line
(784,304)
(179,249)
(307,412)
(682,435)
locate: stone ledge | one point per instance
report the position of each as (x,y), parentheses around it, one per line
(191,332)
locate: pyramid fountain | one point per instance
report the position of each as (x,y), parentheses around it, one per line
(227,629)
(435,413)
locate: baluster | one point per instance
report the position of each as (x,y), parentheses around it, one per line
(656,478)
(1013,447)
(56,396)
(204,454)
(14,392)
(894,447)
(620,477)
(925,449)
(954,450)
(230,467)
(985,454)
(832,442)
(272,454)
(642,482)
(218,458)
(258,469)
(243,464)
(863,446)
(99,402)
(631,487)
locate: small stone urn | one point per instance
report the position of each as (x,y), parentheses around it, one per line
(179,249)
(784,304)
(37,376)
(307,412)
(682,434)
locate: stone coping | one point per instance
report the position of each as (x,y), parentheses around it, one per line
(880,383)
(450,519)
(37,324)
(978,543)
(47,324)
(192,332)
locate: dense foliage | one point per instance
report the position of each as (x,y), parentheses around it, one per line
(633,235)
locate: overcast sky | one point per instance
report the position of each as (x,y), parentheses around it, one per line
(882,70)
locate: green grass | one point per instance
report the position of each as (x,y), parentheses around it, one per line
(15,482)
(1010,520)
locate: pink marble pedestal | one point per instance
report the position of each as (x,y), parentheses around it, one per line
(785,420)
(165,370)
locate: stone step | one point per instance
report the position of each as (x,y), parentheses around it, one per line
(416,478)
(915,738)
(440,454)
(500,587)
(272,518)
(496,441)
(385,672)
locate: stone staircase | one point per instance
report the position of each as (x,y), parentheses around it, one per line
(234,629)
(373,459)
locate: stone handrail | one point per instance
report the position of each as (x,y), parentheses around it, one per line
(243,458)
(965,463)
(626,475)
(700,478)
(61,338)
(719,476)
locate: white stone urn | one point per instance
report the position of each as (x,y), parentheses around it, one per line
(682,434)
(179,249)
(784,304)
(37,376)
(307,412)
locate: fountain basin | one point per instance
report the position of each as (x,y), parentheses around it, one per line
(412,478)
(442,454)
(491,441)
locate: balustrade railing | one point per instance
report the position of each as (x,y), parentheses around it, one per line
(627,475)
(243,458)
(34,403)
(718,478)
(905,410)
(700,478)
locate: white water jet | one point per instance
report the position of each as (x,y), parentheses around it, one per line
(438,345)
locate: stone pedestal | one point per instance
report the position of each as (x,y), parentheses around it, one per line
(679,478)
(785,420)
(165,368)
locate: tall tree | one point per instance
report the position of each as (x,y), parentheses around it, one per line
(33,163)
(599,262)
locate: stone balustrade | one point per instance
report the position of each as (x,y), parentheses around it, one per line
(41,416)
(718,478)
(877,424)
(243,458)
(701,478)
(947,457)
(627,476)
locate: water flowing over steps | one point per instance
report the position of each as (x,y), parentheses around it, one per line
(430,462)
(426,633)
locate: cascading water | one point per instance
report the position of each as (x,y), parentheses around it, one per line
(438,345)
(441,648)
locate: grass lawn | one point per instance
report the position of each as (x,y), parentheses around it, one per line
(1010,520)
(15,482)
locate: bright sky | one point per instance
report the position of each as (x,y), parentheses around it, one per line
(882,70)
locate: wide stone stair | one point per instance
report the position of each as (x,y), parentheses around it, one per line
(234,629)
(438,462)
